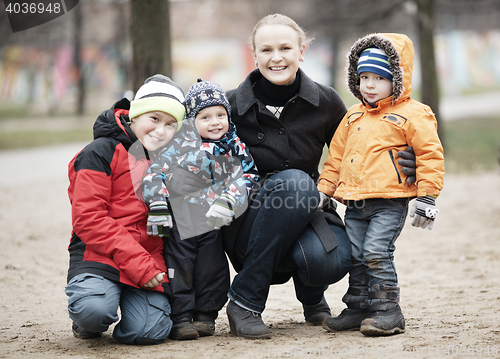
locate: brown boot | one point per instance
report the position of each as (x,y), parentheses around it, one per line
(184,329)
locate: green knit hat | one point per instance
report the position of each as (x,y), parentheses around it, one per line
(159,93)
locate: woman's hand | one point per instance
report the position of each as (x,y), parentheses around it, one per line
(407,160)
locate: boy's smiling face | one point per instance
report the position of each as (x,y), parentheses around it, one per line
(154,129)
(212,122)
(374,87)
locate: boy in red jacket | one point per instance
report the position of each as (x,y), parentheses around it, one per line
(113,261)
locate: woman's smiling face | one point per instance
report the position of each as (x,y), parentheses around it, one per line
(277,53)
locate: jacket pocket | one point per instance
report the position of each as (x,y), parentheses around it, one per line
(391,155)
(395,119)
(354,117)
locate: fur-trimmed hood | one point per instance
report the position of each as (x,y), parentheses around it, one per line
(399,50)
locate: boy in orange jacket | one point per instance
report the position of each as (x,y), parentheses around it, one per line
(361,172)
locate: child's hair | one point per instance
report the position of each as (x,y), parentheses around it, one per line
(279,19)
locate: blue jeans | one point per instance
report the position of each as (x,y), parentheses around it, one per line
(93,305)
(373,225)
(276,242)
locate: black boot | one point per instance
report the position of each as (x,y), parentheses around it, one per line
(204,323)
(183,329)
(348,319)
(315,314)
(386,317)
(245,323)
(356,311)
(81,333)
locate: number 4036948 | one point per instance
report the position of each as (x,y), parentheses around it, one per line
(32,8)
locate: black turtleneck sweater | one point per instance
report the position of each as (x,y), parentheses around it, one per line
(275,95)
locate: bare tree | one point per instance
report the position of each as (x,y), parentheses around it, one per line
(430,89)
(77,60)
(150,34)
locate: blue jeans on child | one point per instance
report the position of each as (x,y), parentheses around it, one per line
(93,305)
(373,225)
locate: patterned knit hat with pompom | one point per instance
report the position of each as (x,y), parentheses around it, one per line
(205,94)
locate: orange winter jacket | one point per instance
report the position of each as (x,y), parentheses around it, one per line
(362,158)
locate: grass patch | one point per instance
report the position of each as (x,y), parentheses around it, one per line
(8,111)
(472,145)
(27,139)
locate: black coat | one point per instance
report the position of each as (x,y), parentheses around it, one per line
(296,140)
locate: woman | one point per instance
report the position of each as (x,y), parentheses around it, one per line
(285,119)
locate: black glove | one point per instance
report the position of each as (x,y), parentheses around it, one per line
(184,182)
(407,160)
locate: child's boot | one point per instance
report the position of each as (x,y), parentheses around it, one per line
(183,329)
(386,317)
(204,323)
(356,311)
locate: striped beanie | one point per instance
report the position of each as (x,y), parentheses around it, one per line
(375,60)
(159,93)
(205,94)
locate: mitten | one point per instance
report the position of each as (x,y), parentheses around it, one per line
(217,223)
(407,160)
(222,208)
(423,212)
(159,217)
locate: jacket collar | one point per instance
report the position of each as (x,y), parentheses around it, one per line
(379,105)
(245,97)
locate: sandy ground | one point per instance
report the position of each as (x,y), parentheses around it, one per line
(448,277)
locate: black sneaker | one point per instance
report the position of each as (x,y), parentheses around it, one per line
(81,333)
(315,314)
(246,324)
(348,319)
(184,329)
(384,322)
(204,324)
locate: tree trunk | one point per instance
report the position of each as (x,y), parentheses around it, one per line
(77,61)
(430,88)
(150,33)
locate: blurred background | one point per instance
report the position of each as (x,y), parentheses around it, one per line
(57,77)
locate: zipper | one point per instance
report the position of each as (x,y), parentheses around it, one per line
(394,164)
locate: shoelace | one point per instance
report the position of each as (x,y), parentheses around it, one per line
(249,313)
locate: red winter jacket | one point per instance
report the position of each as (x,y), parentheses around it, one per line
(109,220)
